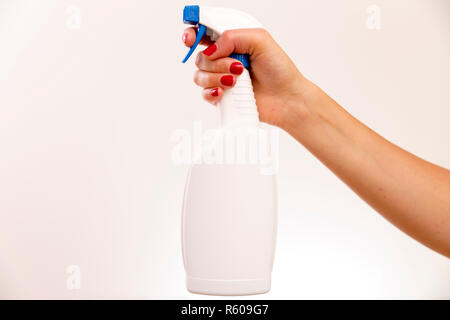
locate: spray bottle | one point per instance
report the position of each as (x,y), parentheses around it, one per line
(229,207)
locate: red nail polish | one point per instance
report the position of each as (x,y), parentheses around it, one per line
(210,50)
(215,92)
(227,80)
(185,37)
(236,68)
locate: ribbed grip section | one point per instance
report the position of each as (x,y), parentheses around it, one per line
(238,106)
(243,58)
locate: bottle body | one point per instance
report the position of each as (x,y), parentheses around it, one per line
(229,229)
(229,209)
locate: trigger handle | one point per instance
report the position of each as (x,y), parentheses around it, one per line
(200,33)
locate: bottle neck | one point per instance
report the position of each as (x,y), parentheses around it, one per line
(238,105)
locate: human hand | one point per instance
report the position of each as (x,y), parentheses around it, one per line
(277,84)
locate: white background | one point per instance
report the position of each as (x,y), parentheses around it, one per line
(86,117)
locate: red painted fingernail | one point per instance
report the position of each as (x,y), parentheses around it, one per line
(215,92)
(185,37)
(227,80)
(210,50)
(236,68)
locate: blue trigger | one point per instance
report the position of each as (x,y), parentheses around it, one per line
(200,33)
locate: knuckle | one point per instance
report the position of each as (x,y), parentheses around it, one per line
(196,77)
(227,35)
(263,33)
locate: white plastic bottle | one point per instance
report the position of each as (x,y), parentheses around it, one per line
(229,209)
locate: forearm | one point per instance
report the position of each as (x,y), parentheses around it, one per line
(411,193)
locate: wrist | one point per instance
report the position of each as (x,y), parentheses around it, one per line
(299,105)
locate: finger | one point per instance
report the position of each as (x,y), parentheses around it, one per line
(238,41)
(209,79)
(189,36)
(212,95)
(222,65)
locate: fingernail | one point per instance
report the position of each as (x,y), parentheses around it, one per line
(227,80)
(185,37)
(210,50)
(215,92)
(236,68)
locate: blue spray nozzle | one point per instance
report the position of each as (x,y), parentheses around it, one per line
(191,14)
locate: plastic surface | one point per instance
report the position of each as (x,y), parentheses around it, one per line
(229,228)
(238,105)
(223,19)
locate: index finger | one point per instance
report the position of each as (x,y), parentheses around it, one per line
(189,36)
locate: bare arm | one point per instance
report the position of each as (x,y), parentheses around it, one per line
(411,193)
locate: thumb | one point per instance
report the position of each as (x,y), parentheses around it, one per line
(238,41)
